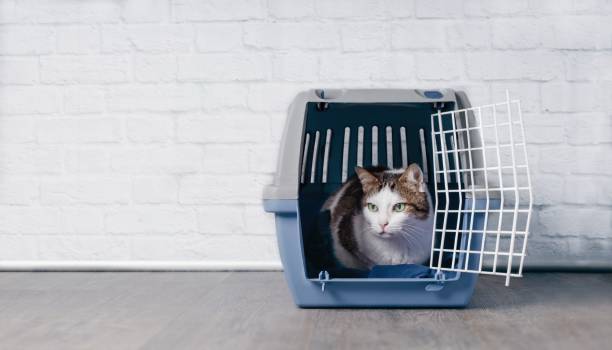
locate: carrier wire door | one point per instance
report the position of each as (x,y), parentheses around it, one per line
(481,154)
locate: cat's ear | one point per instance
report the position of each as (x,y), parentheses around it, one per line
(368,180)
(412,174)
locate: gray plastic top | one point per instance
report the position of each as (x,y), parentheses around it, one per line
(286,179)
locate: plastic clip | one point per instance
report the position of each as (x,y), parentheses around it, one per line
(323,278)
(439,284)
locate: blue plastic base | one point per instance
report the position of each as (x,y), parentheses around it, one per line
(454,292)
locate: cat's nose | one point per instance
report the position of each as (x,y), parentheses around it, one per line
(383,226)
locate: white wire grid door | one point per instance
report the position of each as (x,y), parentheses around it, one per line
(483,190)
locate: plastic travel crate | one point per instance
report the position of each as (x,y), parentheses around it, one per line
(329,132)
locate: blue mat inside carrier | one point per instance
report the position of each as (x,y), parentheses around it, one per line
(325,138)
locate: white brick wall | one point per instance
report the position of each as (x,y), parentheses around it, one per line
(145,130)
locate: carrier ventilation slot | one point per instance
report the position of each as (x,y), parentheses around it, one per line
(424,154)
(389,139)
(374,146)
(328,135)
(314,169)
(345,151)
(314,158)
(305,156)
(360,146)
(404,147)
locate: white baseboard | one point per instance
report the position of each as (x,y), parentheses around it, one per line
(118,265)
(34,265)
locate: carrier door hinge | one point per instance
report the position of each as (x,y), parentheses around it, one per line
(439,284)
(323,278)
(438,105)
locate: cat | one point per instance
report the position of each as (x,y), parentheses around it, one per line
(381,217)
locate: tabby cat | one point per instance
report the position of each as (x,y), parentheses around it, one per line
(381,217)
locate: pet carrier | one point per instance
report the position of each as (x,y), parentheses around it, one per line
(474,163)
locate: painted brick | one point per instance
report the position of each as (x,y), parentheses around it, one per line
(78,130)
(30,159)
(586,66)
(69,11)
(220,219)
(172,159)
(91,160)
(226,159)
(549,189)
(586,190)
(228,128)
(292,35)
(348,67)
(563,33)
(516,33)
(438,8)
(142,11)
(115,39)
(82,99)
(439,66)
(223,67)
(418,35)
(84,69)
(270,97)
(220,96)
(31,220)
(469,35)
(363,36)
(205,247)
(155,189)
(258,223)
(26,40)
(162,37)
(18,247)
(18,129)
(564,97)
(85,190)
(349,9)
(262,158)
(155,68)
(218,37)
(78,39)
(17,70)
(516,65)
(88,220)
(156,98)
(295,67)
(227,189)
(195,10)
(399,8)
(585,221)
(149,128)
(291,9)
(76,247)
(480,8)
(17,190)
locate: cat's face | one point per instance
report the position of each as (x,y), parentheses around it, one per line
(394,200)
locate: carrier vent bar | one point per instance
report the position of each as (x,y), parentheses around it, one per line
(404,147)
(305,156)
(312,149)
(328,135)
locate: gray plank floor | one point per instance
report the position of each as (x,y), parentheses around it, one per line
(242,310)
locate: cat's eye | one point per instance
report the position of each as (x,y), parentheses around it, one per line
(372,207)
(399,207)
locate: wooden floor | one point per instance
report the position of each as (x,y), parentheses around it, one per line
(198,310)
